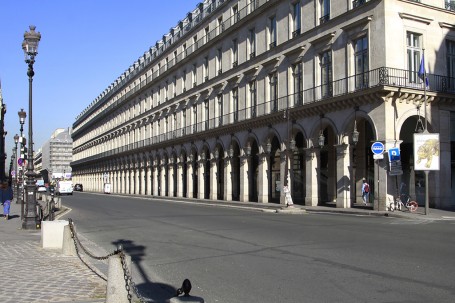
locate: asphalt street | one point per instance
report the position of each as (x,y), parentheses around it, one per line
(243,255)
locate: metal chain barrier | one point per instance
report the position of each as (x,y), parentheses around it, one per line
(129,283)
(119,251)
(77,243)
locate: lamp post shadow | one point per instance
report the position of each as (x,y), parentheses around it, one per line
(158,292)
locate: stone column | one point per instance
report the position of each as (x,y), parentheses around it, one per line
(137,180)
(189,179)
(227,196)
(284,175)
(149,180)
(343,182)
(201,183)
(244,184)
(128,181)
(312,176)
(170,179)
(213,179)
(179,176)
(263,178)
(155,179)
(163,180)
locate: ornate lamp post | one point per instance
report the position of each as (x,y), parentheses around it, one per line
(2,137)
(30,47)
(15,188)
(20,182)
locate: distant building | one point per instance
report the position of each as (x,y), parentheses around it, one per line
(56,154)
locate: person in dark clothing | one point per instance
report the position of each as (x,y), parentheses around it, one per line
(6,195)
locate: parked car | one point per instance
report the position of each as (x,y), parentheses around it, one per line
(78,187)
(64,187)
(41,189)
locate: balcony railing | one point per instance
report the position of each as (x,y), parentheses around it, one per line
(357,3)
(138,68)
(324,19)
(383,76)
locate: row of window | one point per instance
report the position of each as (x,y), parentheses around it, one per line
(168,90)
(235,106)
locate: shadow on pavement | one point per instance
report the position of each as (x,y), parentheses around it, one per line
(158,292)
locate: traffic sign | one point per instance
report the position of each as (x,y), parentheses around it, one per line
(378,156)
(377,148)
(20,161)
(394,154)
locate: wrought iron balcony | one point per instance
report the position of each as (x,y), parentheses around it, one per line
(380,77)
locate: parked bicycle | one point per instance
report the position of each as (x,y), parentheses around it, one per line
(400,205)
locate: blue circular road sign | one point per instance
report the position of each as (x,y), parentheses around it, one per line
(377,148)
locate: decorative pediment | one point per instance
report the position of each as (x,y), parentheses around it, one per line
(447,25)
(415,18)
(323,40)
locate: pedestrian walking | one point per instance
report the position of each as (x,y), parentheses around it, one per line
(365,191)
(287,195)
(6,195)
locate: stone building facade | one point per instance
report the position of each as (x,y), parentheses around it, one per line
(242,97)
(56,154)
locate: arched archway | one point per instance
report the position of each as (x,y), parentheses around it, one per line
(298,170)
(275,169)
(219,152)
(236,172)
(413,181)
(327,168)
(253,174)
(183,177)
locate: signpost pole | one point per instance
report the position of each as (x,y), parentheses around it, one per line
(427,196)
(377,164)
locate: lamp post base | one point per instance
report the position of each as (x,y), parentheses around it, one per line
(31,223)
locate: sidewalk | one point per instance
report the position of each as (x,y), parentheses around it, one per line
(33,274)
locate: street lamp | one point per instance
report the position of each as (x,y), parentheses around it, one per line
(15,189)
(30,47)
(20,182)
(2,137)
(321,139)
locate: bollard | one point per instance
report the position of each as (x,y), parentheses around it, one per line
(68,248)
(116,285)
(58,202)
(52,233)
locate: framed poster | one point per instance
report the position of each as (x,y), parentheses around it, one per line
(426,151)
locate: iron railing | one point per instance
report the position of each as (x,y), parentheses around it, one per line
(161,48)
(384,76)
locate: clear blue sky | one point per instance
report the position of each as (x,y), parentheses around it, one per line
(85,45)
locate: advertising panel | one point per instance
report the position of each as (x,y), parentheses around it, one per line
(426,151)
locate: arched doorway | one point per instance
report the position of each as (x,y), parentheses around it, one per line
(253,173)
(275,177)
(412,182)
(183,178)
(327,169)
(220,173)
(298,170)
(236,172)
(206,164)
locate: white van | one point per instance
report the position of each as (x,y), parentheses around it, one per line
(64,187)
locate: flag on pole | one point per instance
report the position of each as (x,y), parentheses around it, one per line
(422,73)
